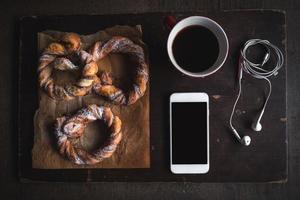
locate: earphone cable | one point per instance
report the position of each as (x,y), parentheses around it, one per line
(256,70)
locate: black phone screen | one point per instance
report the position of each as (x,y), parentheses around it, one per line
(189,132)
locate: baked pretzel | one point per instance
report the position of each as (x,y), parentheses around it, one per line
(104,86)
(61,56)
(68,128)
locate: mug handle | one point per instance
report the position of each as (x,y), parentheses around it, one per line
(169,22)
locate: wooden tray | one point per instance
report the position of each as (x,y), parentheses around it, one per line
(264,161)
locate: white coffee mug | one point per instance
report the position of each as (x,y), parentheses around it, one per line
(211,25)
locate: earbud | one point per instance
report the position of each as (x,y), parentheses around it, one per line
(256,125)
(246,140)
(256,70)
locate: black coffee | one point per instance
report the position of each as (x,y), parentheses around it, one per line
(195,48)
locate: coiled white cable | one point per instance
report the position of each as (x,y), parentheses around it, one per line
(256,70)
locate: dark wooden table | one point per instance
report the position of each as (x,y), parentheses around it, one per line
(12,189)
(229,161)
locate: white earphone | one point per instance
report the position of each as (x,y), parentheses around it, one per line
(256,71)
(256,125)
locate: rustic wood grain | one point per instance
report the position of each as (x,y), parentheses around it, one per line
(10,11)
(238,163)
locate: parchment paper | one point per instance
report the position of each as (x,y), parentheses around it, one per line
(133,150)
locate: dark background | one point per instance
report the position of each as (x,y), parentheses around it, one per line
(10,187)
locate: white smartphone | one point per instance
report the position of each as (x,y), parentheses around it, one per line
(189,133)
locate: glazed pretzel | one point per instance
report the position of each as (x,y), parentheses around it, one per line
(67,129)
(105,87)
(59,56)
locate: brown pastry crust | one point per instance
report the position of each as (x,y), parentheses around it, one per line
(67,128)
(59,56)
(104,86)
(72,42)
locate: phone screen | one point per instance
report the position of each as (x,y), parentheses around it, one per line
(189,132)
